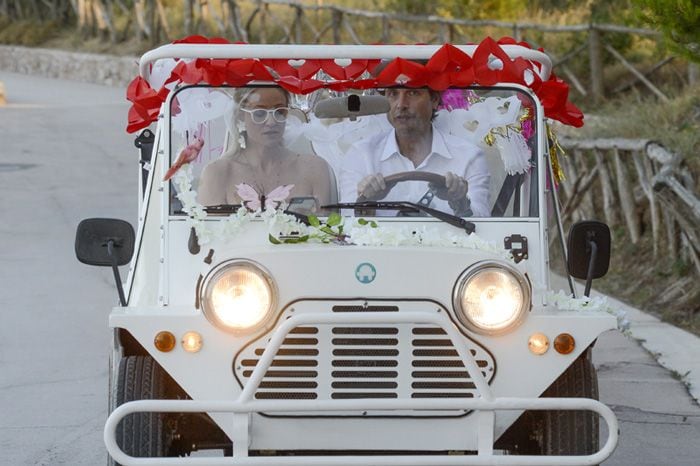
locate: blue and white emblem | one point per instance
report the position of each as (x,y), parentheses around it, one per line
(365,273)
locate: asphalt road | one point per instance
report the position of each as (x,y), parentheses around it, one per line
(65,156)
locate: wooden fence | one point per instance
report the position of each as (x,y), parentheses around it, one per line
(636,184)
(581,52)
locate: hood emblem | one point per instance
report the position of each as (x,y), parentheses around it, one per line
(365,273)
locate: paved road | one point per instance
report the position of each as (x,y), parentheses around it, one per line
(64,156)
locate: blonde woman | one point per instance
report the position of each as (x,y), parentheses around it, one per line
(260,159)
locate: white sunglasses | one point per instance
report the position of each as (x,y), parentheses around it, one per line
(261,115)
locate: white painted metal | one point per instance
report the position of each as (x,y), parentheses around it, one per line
(486,404)
(323,52)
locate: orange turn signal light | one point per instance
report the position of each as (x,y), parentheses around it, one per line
(164,341)
(564,343)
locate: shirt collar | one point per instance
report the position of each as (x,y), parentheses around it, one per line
(439,147)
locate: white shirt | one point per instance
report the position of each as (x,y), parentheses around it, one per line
(380,154)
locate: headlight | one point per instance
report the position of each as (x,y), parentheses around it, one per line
(491,297)
(238,296)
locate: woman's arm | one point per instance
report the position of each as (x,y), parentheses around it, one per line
(212,184)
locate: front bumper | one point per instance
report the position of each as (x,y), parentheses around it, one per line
(484,408)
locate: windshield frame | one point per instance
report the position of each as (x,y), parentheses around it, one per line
(536,180)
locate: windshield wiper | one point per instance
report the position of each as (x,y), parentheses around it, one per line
(405,206)
(222,208)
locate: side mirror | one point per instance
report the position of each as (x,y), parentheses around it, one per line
(589,251)
(105,242)
(92,242)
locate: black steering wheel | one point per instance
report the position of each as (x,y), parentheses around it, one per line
(393,180)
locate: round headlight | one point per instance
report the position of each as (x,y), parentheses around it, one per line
(238,296)
(491,297)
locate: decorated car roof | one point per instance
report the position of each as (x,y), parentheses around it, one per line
(218,62)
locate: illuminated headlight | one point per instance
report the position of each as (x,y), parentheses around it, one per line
(491,297)
(238,296)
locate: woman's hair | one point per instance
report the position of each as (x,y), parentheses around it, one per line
(241,95)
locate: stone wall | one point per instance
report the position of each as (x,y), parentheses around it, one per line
(109,70)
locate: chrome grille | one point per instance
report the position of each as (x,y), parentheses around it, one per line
(364,362)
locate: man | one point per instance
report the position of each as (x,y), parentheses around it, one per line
(415,144)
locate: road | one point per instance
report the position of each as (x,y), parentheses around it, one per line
(65,156)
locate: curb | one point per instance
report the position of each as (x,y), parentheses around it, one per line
(673,348)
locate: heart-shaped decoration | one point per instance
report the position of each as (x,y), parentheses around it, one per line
(296,63)
(342,62)
(471,125)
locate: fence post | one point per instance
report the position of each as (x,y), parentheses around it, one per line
(298,26)
(386,30)
(693,72)
(629,210)
(337,19)
(596,63)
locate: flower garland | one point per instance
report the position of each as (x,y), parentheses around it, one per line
(449,66)
(285,228)
(565,302)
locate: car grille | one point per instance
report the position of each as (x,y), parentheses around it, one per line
(365,361)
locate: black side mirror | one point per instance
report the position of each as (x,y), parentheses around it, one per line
(589,251)
(93,237)
(105,242)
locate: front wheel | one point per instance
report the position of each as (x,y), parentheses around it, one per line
(142,434)
(560,432)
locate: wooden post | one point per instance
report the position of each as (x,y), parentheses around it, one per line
(596,63)
(386,30)
(587,209)
(142,27)
(188,7)
(298,26)
(239,33)
(636,73)
(626,198)
(337,23)
(163,18)
(263,22)
(644,175)
(608,196)
(671,233)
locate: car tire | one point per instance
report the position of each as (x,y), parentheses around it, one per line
(560,432)
(142,434)
(572,432)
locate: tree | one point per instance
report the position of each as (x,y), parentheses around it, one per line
(678,20)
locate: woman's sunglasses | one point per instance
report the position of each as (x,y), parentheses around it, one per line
(261,115)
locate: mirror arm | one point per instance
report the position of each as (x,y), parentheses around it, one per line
(115,269)
(591,266)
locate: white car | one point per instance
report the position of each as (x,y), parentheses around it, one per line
(280,311)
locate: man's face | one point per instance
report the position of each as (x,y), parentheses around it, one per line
(411,109)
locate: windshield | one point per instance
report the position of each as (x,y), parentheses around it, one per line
(467,152)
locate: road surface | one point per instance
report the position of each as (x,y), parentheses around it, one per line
(65,156)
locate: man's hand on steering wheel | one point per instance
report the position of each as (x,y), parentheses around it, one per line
(373,187)
(455,188)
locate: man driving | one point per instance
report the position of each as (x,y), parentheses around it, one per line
(414,144)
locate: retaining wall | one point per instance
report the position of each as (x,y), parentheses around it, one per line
(109,70)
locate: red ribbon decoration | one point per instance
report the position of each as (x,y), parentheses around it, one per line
(284,68)
(351,71)
(448,67)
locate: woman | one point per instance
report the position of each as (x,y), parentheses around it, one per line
(260,159)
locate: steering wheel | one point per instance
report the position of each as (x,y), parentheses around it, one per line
(392,180)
